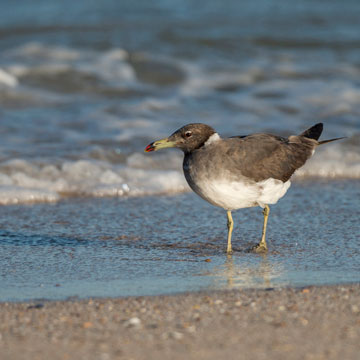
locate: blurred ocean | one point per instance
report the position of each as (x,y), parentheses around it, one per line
(85,86)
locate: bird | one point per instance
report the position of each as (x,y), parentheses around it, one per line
(241,171)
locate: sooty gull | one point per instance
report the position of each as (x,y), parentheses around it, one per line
(241,171)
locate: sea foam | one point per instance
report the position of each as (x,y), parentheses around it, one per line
(22,181)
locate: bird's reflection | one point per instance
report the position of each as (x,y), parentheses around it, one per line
(259,273)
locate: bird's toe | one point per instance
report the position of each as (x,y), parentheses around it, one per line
(260,248)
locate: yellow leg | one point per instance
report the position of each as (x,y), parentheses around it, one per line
(230,225)
(262,247)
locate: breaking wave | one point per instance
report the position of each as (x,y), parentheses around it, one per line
(75,120)
(22,181)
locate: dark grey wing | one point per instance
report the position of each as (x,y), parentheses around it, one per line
(264,156)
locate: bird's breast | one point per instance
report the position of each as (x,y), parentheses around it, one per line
(218,189)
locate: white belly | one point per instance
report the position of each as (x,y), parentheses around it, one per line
(237,195)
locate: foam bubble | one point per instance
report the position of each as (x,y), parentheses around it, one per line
(10,195)
(39,60)
(38,51)
(200,81)
(7,79)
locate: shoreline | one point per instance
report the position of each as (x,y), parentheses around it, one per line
(315,322)
(75,298)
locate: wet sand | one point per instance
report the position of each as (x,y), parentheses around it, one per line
(290,323)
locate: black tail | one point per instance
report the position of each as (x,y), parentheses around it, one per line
(314,132)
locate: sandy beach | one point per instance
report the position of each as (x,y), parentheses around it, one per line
(290,323)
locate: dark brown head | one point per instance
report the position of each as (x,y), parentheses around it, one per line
(188,138)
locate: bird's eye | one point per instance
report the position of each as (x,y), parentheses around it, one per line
(188,133)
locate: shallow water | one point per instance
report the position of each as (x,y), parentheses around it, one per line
(168,244)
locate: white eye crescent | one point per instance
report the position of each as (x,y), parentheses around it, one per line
(188,133)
